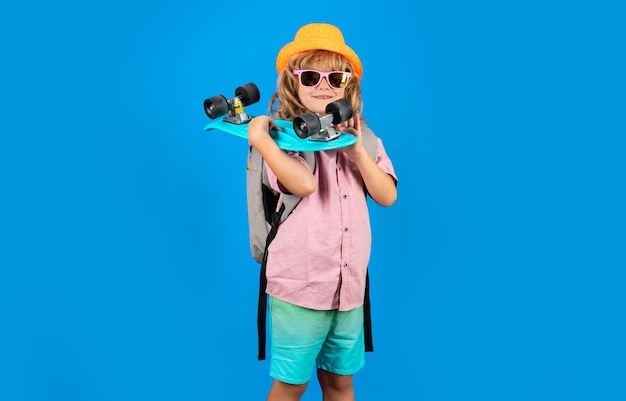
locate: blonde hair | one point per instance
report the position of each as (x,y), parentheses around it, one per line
(285,103)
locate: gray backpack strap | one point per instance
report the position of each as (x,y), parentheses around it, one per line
(263,201)
(369,141)
(258,190)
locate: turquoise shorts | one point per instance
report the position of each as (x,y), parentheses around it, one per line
(303,338)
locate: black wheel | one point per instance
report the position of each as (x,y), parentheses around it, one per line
(248,94)
(340,109)
(216,106)
(306,125)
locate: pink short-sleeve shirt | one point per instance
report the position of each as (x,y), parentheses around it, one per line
(319,257)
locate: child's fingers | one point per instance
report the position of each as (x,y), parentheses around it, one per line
(274,127)
(350,123)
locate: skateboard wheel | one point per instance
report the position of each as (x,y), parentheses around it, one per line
(248,94)
(341,110)
(216,106)
(306,125)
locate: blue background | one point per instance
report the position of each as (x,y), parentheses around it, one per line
(497,275)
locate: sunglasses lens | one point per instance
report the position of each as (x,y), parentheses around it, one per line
(309,78)
(338,79)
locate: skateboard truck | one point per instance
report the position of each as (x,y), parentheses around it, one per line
(245,95)
(311,125)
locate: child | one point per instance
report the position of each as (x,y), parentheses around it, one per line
(317,263)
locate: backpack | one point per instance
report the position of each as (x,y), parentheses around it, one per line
(267,209)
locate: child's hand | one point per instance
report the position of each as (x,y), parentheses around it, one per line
(259,129)
(353,127)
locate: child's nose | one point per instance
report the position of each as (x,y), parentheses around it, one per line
(324,81)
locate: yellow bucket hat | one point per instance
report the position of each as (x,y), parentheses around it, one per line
(318,37)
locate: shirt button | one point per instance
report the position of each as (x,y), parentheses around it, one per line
(345,229)
(345,196)
(345,264)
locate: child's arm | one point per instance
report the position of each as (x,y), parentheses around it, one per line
(296,177)
(380,186)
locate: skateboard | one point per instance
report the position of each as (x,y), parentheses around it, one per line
(306,133)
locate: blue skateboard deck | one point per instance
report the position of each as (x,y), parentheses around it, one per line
(286,138)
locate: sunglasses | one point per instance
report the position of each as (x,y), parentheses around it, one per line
(336,79)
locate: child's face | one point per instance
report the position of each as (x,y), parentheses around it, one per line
(316,98)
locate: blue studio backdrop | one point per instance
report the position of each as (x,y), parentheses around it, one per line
(498,275)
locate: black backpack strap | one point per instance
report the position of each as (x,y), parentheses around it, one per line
(371,145)
(262,311)
(367,317)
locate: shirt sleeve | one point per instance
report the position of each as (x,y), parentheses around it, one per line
(384,162)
